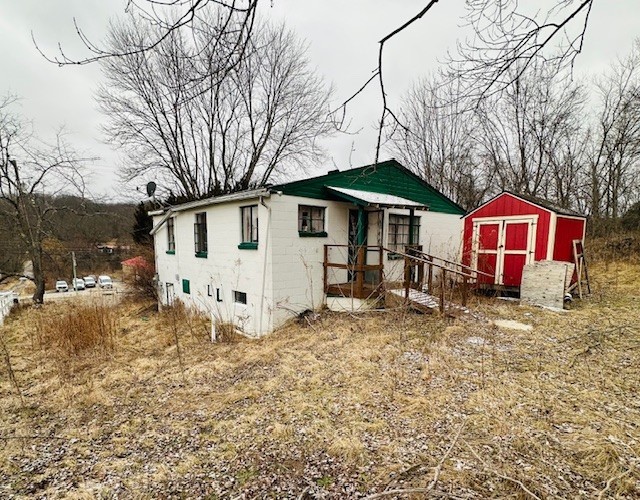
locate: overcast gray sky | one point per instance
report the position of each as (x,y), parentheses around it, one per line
(342,37)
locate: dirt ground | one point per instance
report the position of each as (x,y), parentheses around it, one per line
(384,405)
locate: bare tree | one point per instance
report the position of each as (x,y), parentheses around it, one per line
(520,132)
(168,17)
(615,155)
(31,172)
(200,135)
(437,141)
(510,36)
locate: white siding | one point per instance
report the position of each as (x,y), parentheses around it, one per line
(440,236)
(298,261)
(284,276)
(226,267)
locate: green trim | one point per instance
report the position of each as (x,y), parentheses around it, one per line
(171,252)
(186,286)
(388,177)
(309,234)
(361,232)
(201,255)
(248,245)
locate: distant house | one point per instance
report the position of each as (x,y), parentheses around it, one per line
(112,246)
(511,230)
(255,258)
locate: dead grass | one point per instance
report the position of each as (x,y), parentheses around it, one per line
(350,407)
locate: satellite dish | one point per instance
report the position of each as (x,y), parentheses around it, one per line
(151,188)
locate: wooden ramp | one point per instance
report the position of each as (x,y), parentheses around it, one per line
(424,302)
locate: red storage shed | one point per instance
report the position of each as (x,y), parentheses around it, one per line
(512,230)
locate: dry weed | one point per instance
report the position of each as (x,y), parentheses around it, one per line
(357,405)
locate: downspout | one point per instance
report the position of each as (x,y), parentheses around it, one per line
(264,263)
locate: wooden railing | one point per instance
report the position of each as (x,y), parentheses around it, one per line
(355,283)
(415,261)
(366,280)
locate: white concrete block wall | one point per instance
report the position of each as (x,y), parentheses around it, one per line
(440,235)
(284,276)
(298,274)
(226,267)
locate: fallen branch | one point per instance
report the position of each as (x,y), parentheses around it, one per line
(610,482)
(8,438)
(436,474)
(502,476)
(438,469)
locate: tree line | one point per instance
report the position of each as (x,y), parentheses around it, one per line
(575,142)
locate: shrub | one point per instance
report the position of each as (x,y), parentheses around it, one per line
(79,329)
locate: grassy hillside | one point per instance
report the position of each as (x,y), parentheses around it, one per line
(345,408)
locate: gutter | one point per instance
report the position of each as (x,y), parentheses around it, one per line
(216,200)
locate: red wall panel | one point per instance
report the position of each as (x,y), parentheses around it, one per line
(567,230)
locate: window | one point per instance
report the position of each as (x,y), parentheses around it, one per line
(311,221)
(171,236)
(186,286)
(200,234)
(399,231)
(249,217)
(239,297)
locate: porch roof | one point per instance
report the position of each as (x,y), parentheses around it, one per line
(368,198)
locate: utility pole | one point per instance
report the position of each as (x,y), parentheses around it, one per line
(73,260)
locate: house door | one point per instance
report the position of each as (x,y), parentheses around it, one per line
(169,288)
(502,248)
(353,239)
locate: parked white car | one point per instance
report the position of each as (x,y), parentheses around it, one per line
(78,284)
(89,282)
(61,286)
(104,281)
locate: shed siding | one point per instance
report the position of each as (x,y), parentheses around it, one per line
(567,230)
(508,205)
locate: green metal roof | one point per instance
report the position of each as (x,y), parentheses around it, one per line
(388,177)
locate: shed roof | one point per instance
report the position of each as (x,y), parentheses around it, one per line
(547,205)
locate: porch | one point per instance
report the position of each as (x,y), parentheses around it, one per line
(428,283)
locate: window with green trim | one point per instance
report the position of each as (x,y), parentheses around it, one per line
(200,234)
(399,231)
(186,286)
(311,220)
(249,217)
(171,235)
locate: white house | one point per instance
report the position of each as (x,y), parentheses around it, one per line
(256,258)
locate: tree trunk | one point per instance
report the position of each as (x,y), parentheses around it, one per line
(38,274)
